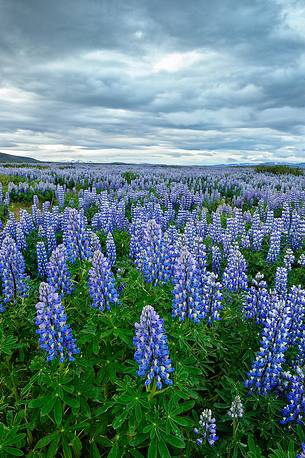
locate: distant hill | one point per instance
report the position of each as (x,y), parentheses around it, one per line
(10,158)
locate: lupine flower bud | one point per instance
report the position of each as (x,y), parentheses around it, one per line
(236,410)
(207,428)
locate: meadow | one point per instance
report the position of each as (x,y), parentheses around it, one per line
(152,312)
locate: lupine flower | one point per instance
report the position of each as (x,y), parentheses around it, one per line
(51,239)
(57,271)
(207,428)
(296,302)
(275,242)
(256,232)
(289,259)
(296,235)
(76,238)
(12,271)
(258,299)
(281,281)
(267,367)
(236,410)
(153,257)
(211,298)
(60,194)
(55,335)
(216,259)
(152,354)
(20,238)
(101,283)
(294,411)
(187,291)
(234,276)
(94,242)
(110,249)
(42,259)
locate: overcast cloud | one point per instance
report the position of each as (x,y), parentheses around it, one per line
(160,81)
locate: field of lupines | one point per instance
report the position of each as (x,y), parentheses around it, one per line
(151,312)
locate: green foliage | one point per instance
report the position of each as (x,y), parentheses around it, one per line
(99,407)
(279,170)
(129,176)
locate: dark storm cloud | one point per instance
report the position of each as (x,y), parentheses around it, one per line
(167,81)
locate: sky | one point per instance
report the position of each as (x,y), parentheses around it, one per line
(157,81)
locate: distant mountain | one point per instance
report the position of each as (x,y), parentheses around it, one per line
(10,158)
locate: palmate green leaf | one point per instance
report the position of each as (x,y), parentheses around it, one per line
(47,405)
(7,343)
(119,420)
(58,411)
(163,450)
(114,452)
(76,445)
(153,448)
(74,403)
(175,441)
(94,451)
(53,447)
(12,451)
(44,441)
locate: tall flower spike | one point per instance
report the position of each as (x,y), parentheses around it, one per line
(257,300)
(101,283)
(55,335)
(187,291)
(76,237)
(267,367)
(42,259)
(294,411)
(152,353)
(110,249)
(281,280)
(216,259)
(206,431)
(12,271)
(235,276)
(57,271)
(211,298)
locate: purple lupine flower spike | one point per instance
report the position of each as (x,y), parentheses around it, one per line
(102,283)
(206,431)
(55,334)
(152,353)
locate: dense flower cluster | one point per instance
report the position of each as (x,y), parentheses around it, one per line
(266,369)
(57,271)
(12,272)
(55,335)
(152,353)
(110,249)
(187,291)
(235,276)
(42,259)
(258,299)
(101,283)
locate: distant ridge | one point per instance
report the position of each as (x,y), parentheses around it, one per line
(10,158)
